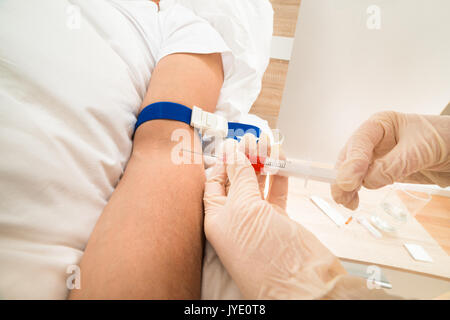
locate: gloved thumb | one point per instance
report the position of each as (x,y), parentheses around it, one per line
(244,185)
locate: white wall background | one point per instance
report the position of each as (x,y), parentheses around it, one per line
(341,71)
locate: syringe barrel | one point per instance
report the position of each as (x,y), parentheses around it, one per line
(301,169)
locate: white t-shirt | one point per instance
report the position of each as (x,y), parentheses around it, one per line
(72,80)
(72,77)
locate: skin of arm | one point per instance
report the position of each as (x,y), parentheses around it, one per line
(148,242)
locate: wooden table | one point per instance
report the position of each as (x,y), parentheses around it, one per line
(354,243)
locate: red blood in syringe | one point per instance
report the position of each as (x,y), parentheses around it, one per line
(259,165)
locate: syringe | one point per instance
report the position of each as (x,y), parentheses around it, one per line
(308,170)
(301,169)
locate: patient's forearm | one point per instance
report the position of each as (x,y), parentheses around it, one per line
(148,242)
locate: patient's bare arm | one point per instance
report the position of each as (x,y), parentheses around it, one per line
(148,241)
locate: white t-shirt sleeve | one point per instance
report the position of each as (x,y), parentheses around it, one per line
(183,31)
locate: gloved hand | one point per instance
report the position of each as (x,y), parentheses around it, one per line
(393,147)
(267,254)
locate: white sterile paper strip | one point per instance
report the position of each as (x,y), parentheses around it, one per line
(418,252)
(328,210)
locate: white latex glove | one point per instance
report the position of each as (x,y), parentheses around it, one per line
(267,254)
(393,147)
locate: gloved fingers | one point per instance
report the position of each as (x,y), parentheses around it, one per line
(250,147)
(264,149)
(227,186)
(256,149)
(221,155)
(418,177)
(278,188)
(420,148)
(349,199)
(401,162)
(243,182)
(264,146)
(440,178)
(358,154)
(374,137)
